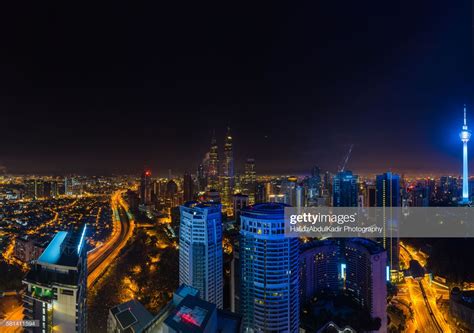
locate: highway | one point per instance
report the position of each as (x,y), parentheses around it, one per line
(428,317)
(99,259)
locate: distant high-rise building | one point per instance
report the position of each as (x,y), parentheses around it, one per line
(69,185)
(56,285)
(314,185)
(268,190)
(288,188)
(327,183)
(240,201)
(202,176)
(388,190)
(54,189)
(213,170)
(228,174)
(173,198)
(260,193)
(420,195)
(30,188)
(370,195)
(50,189)
(47,190)
(269,271)
(388,195)
(188,187)
(145,188)
(61,186)
(300,196)
(250,180)
(354,266)
(345,189)
(200,250)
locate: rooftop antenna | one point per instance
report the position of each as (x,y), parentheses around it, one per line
(465,122)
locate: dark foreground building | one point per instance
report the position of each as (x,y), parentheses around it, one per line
(56,286)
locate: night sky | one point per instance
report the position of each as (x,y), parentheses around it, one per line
(111,88)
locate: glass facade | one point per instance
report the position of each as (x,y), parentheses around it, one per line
(269,271)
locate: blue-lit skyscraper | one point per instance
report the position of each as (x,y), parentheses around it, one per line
(388,190)
(388,196)
(200,250)
(56,285)
(269,300)
(345,189)
(465,135)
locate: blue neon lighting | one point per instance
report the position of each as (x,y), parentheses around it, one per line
(52,253)
(82,238)
(343,271)
(387,272)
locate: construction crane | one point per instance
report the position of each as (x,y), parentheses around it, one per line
(346,159)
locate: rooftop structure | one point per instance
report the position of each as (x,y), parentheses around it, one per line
(56,285)
(130,316)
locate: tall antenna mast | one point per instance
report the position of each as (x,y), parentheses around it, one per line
(465,122)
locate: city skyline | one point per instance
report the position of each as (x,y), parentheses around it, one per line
(220,167)
(233,168)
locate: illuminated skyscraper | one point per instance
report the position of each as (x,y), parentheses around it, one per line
(228,173)
(250,180)
(388,190)
(288,189)
(465,135)
(300,196)
(213,166)
(269,271)
(56,285)
(345,189)
(314,186)
(145,188)
(388,196)
(200,250)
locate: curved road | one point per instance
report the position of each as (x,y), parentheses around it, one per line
(428,316)
(100,259)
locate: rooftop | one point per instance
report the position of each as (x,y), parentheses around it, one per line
(269,208)
(52,253)
(191,315)
(185,290)
(64,249)
(131,316)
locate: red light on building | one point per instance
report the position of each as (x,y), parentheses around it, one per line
(188,318)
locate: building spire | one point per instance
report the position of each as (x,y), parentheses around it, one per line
(465,122)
